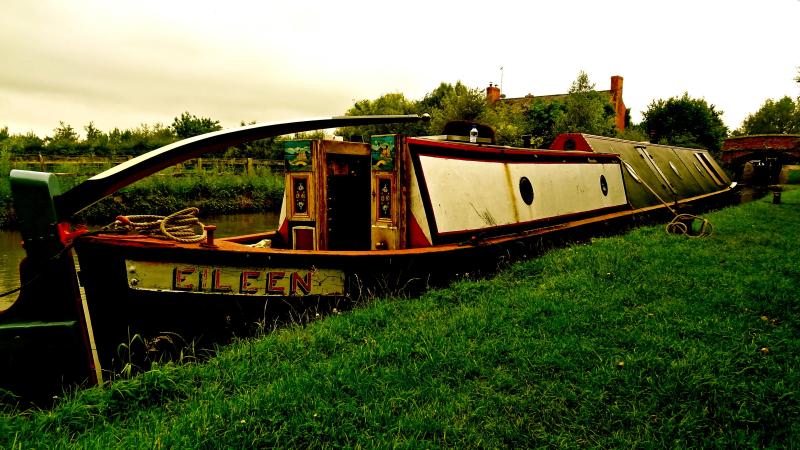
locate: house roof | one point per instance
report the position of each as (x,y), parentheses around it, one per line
(544,98)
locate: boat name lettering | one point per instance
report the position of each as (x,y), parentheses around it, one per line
(234,280)
(277,282)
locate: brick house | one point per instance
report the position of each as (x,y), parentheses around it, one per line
(614,97)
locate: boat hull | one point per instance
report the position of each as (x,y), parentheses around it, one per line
(142,289)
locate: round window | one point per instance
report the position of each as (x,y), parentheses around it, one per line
(603,185)
(526,190)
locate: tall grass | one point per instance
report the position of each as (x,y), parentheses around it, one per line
(642,340)
(164,193)
(213,194)
(6,210)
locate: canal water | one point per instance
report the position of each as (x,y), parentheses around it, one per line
(11,252)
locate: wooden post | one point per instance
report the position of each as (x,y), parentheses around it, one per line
(199,166)
(250,169)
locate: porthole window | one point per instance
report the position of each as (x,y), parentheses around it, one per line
(631,171)
(569,144)
(603,185)
(526,190)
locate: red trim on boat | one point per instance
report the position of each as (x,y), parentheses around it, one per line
(578,141)
(283,231)
(495,150)
(416,236)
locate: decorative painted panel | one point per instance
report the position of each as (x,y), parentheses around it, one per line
(383,152)
(297,155)
(385,199)
(300,195)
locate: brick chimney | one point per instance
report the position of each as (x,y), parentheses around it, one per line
(616,100)
(492,94)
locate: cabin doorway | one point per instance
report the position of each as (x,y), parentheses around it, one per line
(348,202)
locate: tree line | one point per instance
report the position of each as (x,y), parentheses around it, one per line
(65,140)
(681,120)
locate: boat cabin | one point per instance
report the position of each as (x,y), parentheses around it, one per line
(344,195)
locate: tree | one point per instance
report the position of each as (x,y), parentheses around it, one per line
(456,102)
(394,103)
(781,117)
(586,110)
(96,141)
(23,144)
(64,140)
(541,119)
(92,133)
(508,122)
(188,125)
(686,122)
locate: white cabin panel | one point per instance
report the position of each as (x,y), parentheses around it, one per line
(472,195)
(563,189)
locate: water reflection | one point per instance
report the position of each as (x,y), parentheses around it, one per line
(11,252)
(235,224)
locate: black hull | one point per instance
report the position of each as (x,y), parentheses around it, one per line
(158,322)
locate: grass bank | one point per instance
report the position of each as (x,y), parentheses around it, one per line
(217,193)
(645,339)
(213,194)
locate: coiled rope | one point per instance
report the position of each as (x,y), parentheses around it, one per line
(684,223)
(179,226)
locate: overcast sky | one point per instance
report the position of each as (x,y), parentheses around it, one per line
(123,63)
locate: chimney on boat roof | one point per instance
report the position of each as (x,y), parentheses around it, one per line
(492,93)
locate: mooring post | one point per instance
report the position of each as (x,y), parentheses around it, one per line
(776,196)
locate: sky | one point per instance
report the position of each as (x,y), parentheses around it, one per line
(124,63)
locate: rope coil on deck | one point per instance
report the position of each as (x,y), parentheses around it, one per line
(179,226)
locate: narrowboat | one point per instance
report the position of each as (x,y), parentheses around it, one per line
(357,217)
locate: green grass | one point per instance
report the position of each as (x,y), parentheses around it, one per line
(164,194)
(213,194)
(641,340)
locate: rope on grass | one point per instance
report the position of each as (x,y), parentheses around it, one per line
(179,226)
(684,223)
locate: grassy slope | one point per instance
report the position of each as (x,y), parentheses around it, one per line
(213,194)
(639,340)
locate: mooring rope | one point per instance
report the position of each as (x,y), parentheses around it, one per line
(179,226)
(683,223)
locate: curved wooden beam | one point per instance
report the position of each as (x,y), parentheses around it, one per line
(106,183)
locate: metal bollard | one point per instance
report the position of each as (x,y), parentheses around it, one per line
(209,236)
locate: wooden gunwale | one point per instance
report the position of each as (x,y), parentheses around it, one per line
(232,244)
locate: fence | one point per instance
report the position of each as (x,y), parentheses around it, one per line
(73,166)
